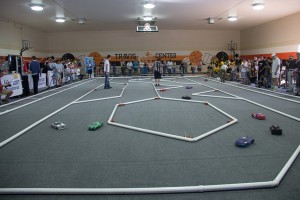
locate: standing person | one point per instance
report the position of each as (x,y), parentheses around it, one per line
(5,65)
(223,72)
(181,68)
(275,71)
(164,63)
(169,67)
(3,89)
(290,66)
(262,66)
(123,68)
(199,67)
(59,72)
(135,65)
(297,92)
(106,72)
(145,69)
(35,69)
(158,68)
(253,75)
(268,73)
(174,68)
(129,67)
(89,67)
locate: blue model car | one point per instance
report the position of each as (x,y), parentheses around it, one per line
(244,141)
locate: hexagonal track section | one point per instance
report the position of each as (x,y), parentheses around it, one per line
(186,120)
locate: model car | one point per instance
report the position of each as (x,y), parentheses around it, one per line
(95,125)
(186,97)
(276,130)
(244,141)
(58,125)
(259,116)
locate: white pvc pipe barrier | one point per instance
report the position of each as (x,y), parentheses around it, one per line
(151,131)
(21,106)
(104,98)
(46,91)
(208,91)
(287,166)
(159,190)
(233,120)
(221,97)
(249,101)
(43,119)
(279,97)
(271,109)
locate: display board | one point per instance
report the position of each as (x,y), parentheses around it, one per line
(15,81)
(42,81)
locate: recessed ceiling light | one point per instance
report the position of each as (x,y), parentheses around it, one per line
(148,4)
(60,19)
(232,18)
(147,18)
(36,6)
(258,6)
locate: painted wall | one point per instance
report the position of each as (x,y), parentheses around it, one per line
(11,36)
(81,44)
(182,43)
(279,36)
(122,41)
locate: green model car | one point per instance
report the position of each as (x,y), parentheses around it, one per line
(95,125)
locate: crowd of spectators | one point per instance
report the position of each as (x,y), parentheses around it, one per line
(270,72)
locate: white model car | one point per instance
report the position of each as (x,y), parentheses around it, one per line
(58,125)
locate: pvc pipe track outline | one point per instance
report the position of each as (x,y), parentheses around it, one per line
(251,90)
(151,190)
(252,102)
(232,120)
(21,106)
(160,190)
(53,113)
(30,97)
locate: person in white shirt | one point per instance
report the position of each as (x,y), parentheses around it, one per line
(169,65)
(106,71)
(275,71)
(58,73)
(129,67)
(223,72)
(78,74)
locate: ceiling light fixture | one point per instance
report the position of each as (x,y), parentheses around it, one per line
(147,18)
(148,4)
(60,19)
(232,18)
(258,6)
(36,6)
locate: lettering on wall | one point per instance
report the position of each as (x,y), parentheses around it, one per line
(165,55)
(126,56)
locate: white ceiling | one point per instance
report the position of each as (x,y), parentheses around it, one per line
(123,14)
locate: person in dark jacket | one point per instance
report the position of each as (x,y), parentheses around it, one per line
(35,69)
